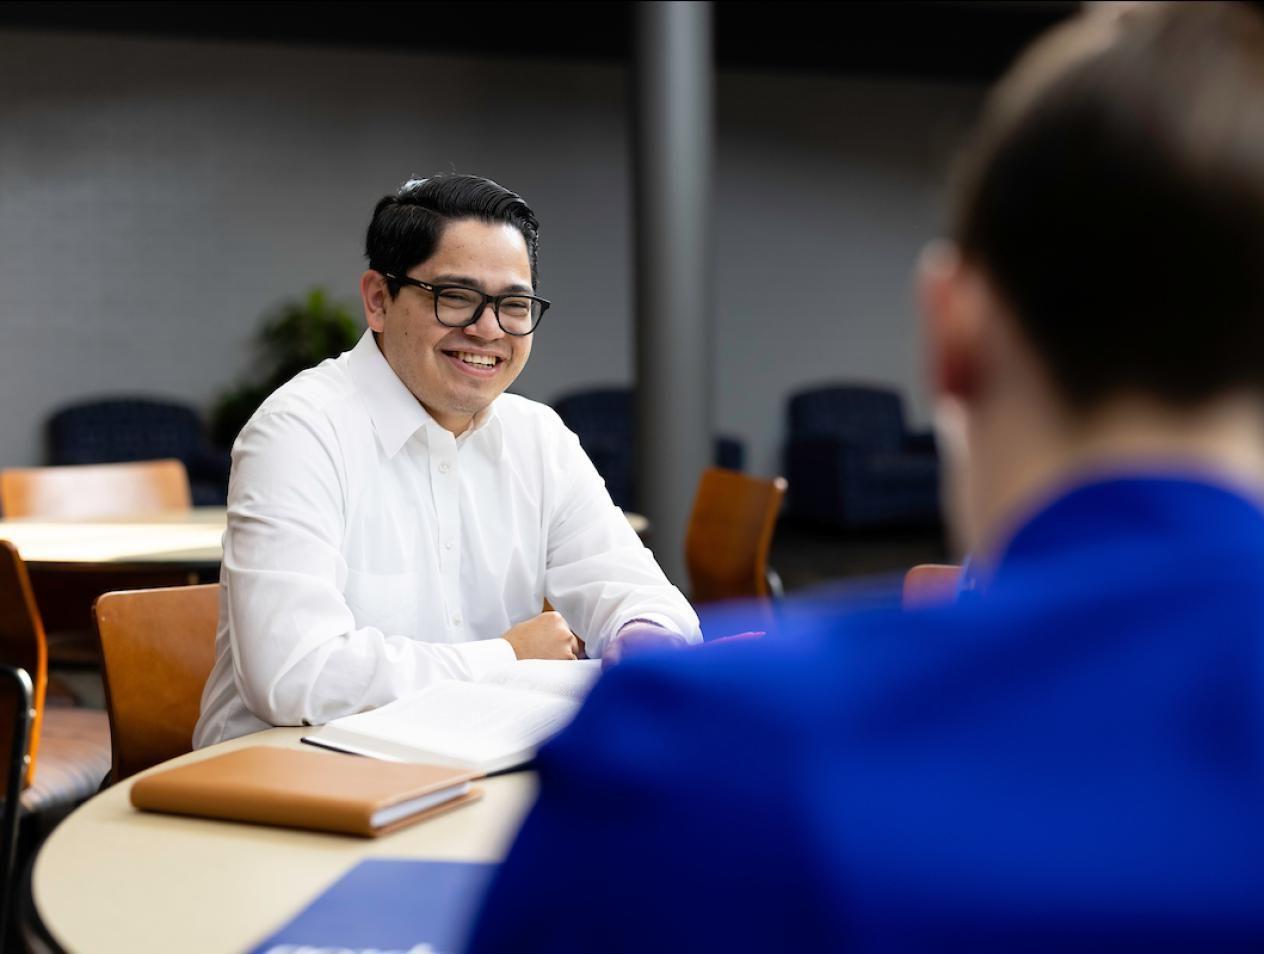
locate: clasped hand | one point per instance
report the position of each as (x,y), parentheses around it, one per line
(547,636)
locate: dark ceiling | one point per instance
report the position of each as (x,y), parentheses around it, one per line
(944,40)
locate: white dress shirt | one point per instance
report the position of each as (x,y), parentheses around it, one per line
(369,552)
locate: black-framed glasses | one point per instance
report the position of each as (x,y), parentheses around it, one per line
(459,307)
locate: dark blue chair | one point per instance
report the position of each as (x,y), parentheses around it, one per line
(604,421)
(852,463)
(114,430)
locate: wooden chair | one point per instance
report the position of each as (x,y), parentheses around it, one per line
(729,534)
(157,649)
(930,584)
(95,490)
(69,750)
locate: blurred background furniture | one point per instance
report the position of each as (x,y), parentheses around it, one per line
(122,429)
(930,584)
(157,650)
(16,707)
(729,535)
(94,490)
(81,492)
(69,747)
(604,421)
(852,463)
(63,753)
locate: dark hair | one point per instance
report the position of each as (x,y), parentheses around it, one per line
(1114,194)
(407,226)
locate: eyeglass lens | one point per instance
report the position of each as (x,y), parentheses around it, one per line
(459,306)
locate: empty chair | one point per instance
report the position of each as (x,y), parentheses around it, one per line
(930,584)
(69,750)
(157,650)
(852,462)
(604,421)
(95,490)
(729,535)
(113,430)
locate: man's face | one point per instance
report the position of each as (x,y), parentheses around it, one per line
(445,368)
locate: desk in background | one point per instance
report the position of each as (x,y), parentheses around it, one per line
(72,562)
(180,542)
(112,879)
(189,542)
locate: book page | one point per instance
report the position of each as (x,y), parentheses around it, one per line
(568,678)
(468,722)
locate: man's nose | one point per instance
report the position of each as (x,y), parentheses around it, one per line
(486,326)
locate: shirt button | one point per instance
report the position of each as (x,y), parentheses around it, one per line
(444,467)
(456,620)
(448,544)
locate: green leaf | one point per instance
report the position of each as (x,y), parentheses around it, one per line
(298,335)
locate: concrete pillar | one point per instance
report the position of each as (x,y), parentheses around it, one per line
(673,164)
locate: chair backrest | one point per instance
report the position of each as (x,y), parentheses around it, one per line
(930,584)
(863,415)
(95,490)
(729,534)
(22,639)
(157,650)
(602,419)
(598,412)
(123,429)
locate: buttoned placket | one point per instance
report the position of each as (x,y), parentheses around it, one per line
(445,485)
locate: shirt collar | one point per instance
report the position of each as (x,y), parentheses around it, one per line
(394,410)
(1156,510)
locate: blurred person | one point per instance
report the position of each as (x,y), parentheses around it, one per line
(395,518)
(1074,760)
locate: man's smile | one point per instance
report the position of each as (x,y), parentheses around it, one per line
(476,363)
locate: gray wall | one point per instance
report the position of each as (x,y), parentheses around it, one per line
(158,196)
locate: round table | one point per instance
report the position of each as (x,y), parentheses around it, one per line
(110,878)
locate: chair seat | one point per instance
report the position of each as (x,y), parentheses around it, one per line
(74,757)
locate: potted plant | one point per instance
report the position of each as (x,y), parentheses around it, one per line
(300,334)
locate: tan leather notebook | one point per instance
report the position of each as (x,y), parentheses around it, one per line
(297,788)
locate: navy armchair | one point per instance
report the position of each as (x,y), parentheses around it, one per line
(603,420)
(852,463)
(114,430)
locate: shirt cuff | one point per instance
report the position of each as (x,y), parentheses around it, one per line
(661,620)
(484,656)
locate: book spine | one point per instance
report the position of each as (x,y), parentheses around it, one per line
(296,810)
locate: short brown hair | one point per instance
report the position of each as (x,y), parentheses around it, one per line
(1114,193)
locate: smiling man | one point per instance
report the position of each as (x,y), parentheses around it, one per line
(395,518)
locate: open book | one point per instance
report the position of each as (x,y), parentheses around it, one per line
(491,725)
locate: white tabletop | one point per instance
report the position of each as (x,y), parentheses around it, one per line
(157,541)
(112,879)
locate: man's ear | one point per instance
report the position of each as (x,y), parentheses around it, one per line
(953,303)
(374,294)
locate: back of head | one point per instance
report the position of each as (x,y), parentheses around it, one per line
(406,226)
(1114,195)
